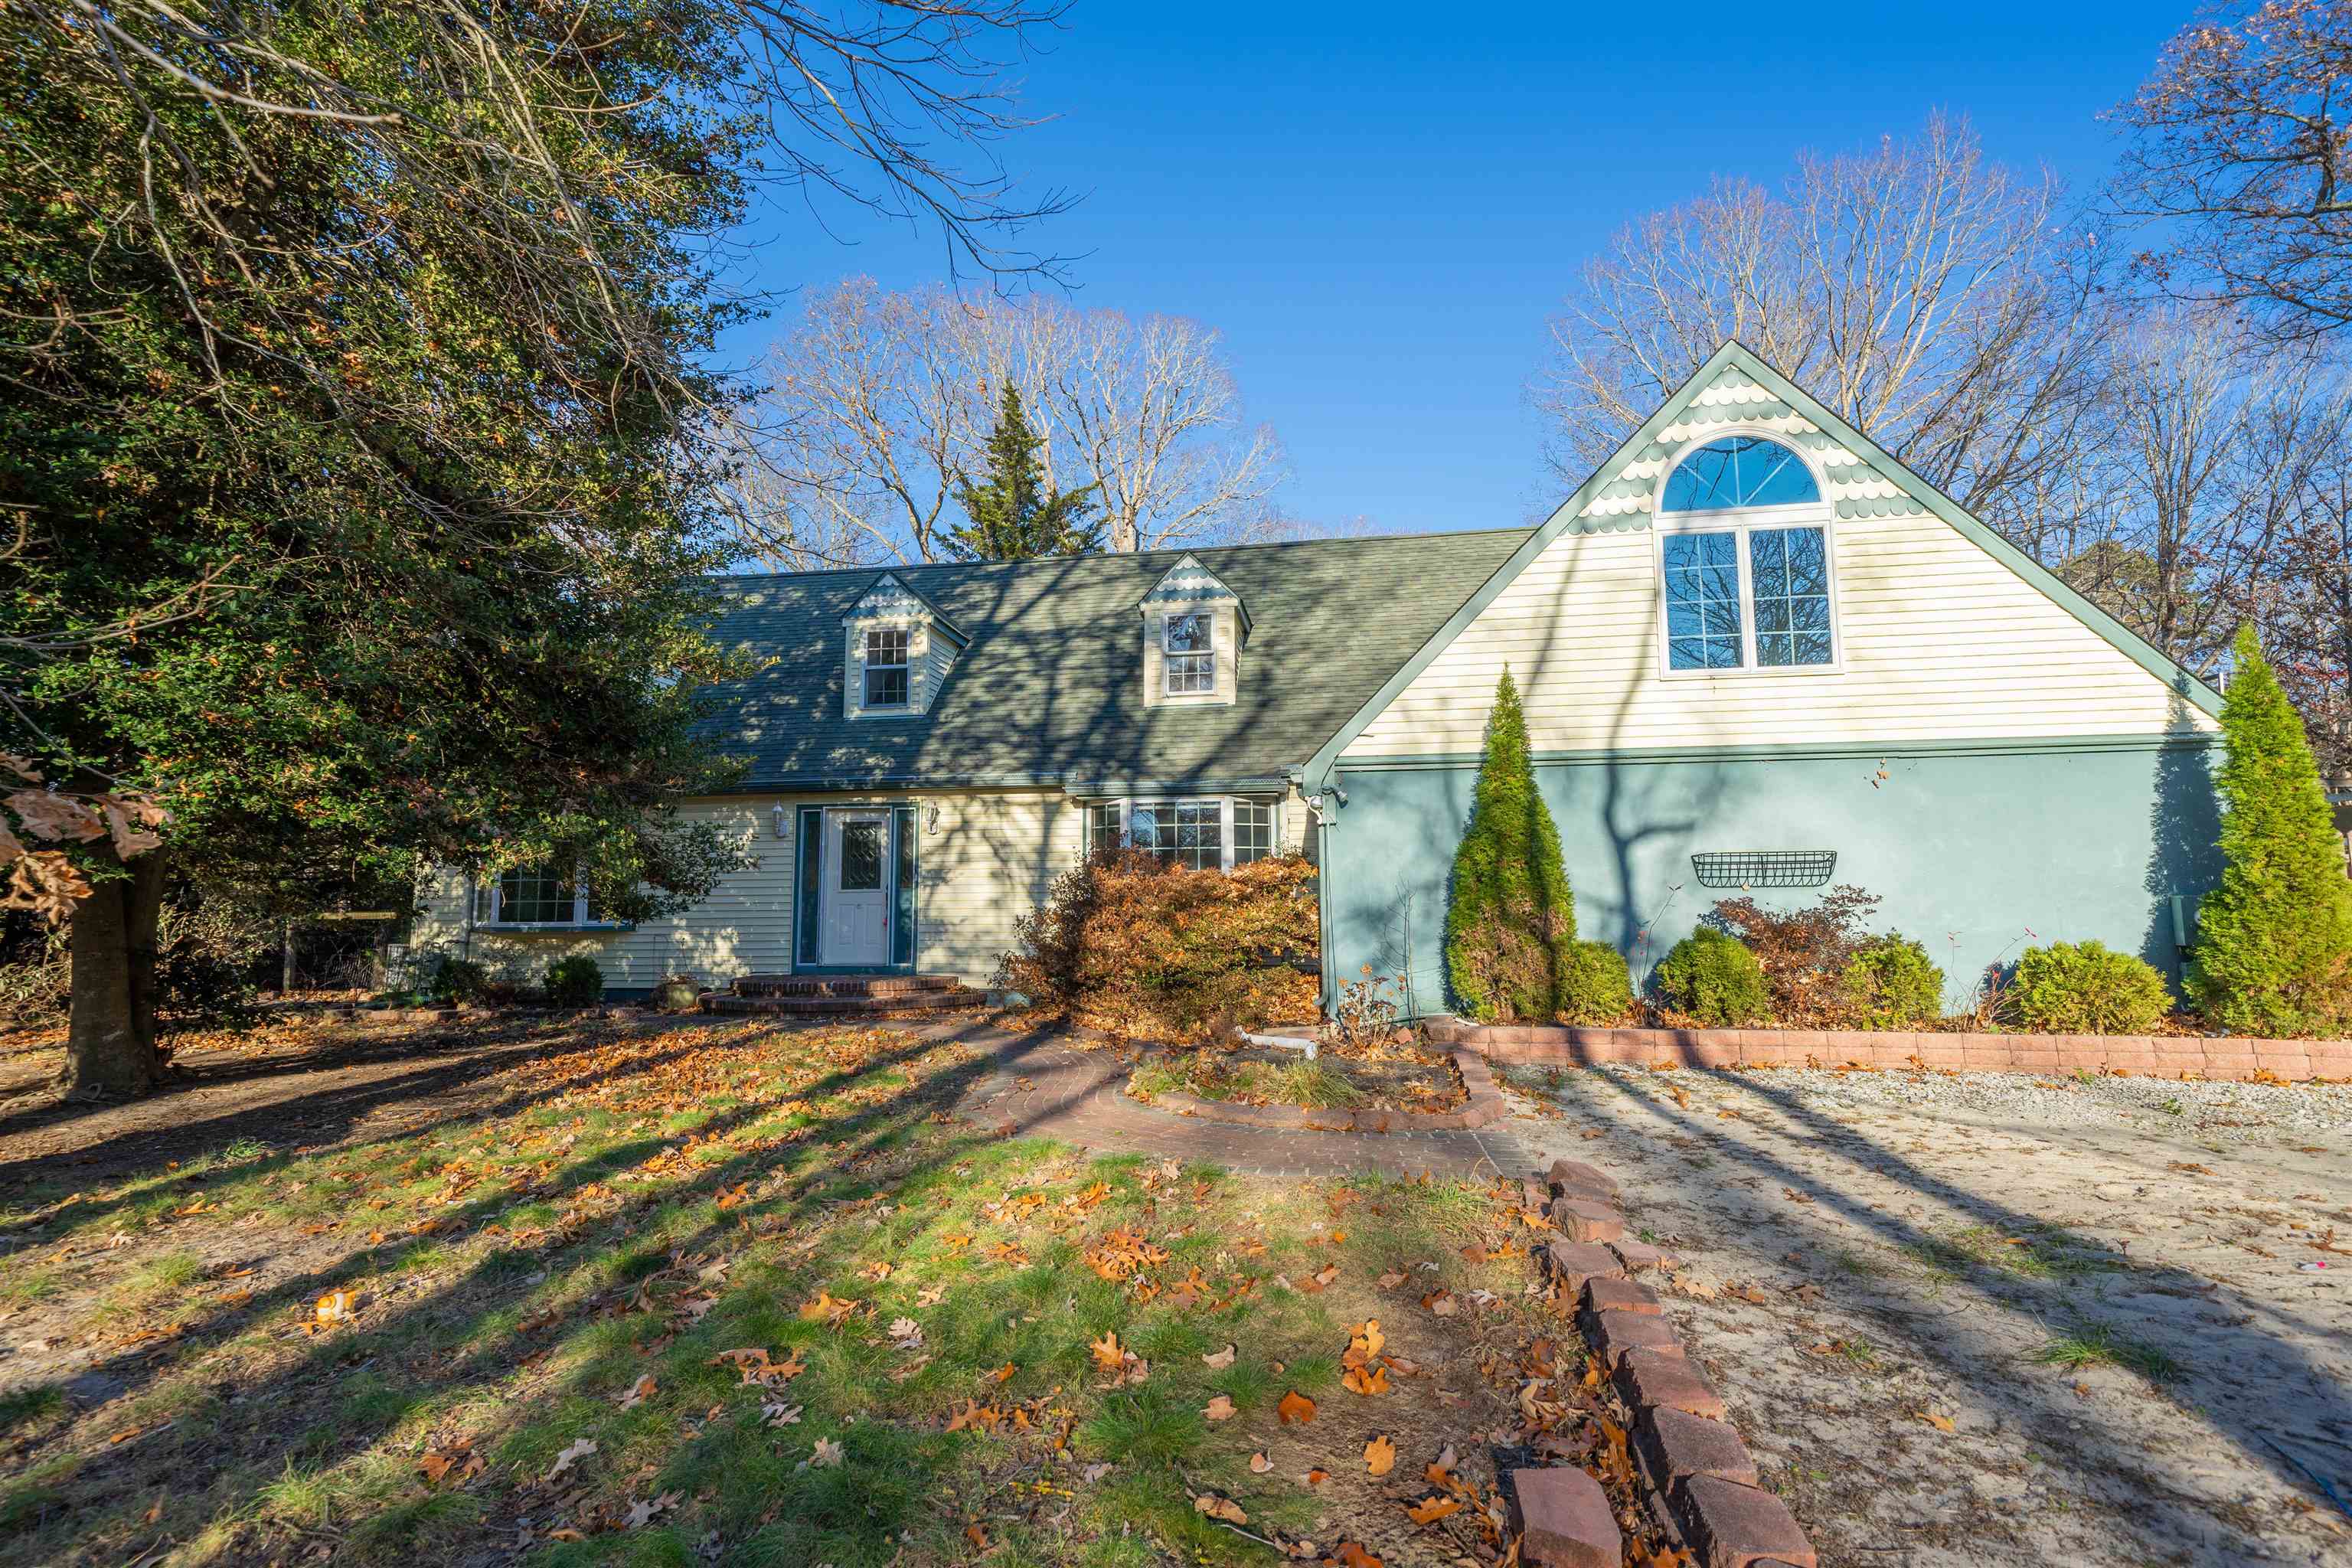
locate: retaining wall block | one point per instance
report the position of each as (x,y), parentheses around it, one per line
(1735,1526)
(1647,1377)
(1565,1520)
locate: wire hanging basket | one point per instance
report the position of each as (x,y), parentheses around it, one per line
(1765,867)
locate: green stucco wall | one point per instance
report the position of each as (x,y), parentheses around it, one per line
(1969,849)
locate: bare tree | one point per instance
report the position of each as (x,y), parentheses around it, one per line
(1926,294)
(2203,458)
(878,404)
(2241,143)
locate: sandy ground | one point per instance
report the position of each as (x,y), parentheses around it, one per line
(1873,1265)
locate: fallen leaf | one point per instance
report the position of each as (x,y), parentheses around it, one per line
(1442,1303)
(1294,1407)
(335,1306)
(1107,1353)
(1221,1408)
(1429,1510)
(642,1513)
(1941,1422)
(1390,1280)
(1219,1360)
(1259,1463)
(776,1413)
(580,1448)
(1220,1508)
(1380,1456)
(828,1454)
(1354,1556)
(1317,1476)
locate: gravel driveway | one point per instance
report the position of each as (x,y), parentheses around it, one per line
(1993,1318)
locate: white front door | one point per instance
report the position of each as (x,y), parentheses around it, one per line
(856,916)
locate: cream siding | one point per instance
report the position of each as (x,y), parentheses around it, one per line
(1937,640)
(982,861)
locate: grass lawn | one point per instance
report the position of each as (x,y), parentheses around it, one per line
(739,1295)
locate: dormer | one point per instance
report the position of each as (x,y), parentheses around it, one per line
(1193,630)
(897,649)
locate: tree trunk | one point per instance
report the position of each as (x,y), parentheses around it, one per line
(111,1040)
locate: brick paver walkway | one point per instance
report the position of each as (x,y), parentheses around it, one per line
(1038,1084)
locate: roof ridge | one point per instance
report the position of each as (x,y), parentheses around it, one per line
(1175,552)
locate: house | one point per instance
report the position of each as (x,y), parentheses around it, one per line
(1756,653)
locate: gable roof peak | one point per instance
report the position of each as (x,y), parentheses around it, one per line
(1190,582)
(891,593)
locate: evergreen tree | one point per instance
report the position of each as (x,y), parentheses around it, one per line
(1510,928)
(2275,941)
(1014,516)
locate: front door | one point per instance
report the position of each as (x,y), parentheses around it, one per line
(857,893)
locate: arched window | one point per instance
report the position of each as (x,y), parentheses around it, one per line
(1740,471)
(1747,583)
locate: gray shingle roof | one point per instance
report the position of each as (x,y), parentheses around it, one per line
(1051,687)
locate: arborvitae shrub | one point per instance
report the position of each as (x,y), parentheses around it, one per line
(1713,978)
(2087,988)
(1595,987)
(1892,983)
(1511,923)
(575,982)
(2273,952)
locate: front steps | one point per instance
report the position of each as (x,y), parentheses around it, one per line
(842,995)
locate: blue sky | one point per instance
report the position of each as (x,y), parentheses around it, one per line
(1381,207)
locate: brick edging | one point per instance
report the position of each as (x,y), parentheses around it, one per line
(1483,1106)
(1697,1476)
(2142,1055)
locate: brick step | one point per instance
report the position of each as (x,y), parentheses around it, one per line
(844,984)
(928,1001)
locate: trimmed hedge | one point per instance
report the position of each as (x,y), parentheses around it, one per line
(1892,983)
(1714,979)
(2087,988)
(1595,987)
(575,982)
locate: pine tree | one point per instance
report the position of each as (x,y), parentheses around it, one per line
(1012,515)
(1510,928)
(2274,940)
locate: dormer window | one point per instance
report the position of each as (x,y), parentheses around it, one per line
(885,668)
(1195,629)
(1189,641)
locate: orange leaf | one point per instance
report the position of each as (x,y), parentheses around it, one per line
(1109,1355)
(1354,1556)
(1380,1456)
(1294,1407)
(1429,1510)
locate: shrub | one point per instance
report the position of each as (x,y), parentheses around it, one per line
(2274,940)
(2085,988)
(1594,985)
(575,982)
(459,980)
(1135,947)
(1511,919)
(1713,978)
(1892,983)
(1805,953)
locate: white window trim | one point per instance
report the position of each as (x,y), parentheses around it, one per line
(1225,804)
(1741,521)
(579,920)
(865,634)
(1208,617)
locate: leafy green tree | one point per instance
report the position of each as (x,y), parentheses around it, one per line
(1510,928)
(1014,515)
(2274,940)
(358,437)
